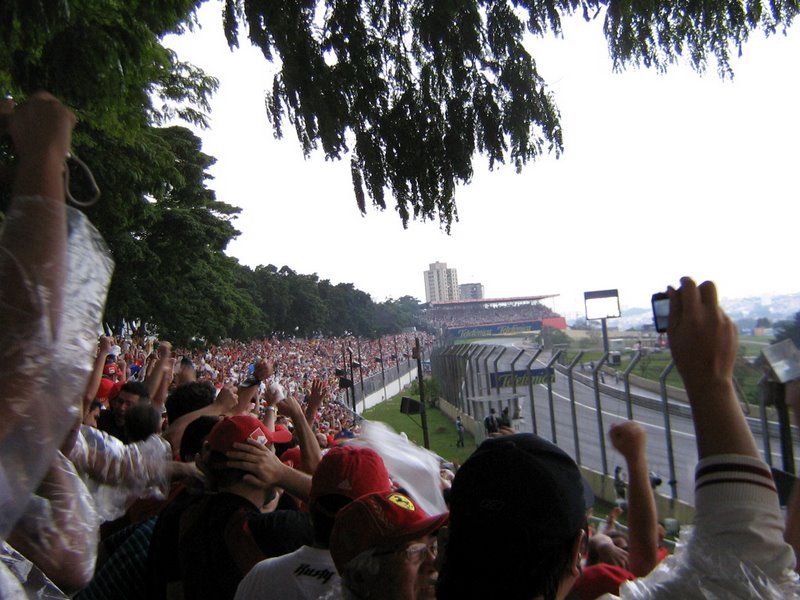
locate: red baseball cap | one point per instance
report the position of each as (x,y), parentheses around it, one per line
(383,520)
(349,471)
(240,428)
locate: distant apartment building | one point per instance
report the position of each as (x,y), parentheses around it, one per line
(471,291)
(441,283)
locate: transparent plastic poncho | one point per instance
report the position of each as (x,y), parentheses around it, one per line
(117,473)
(700,571)
(21,580)
(43,373)
(58,531)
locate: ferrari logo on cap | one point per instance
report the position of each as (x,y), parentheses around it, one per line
(402,501)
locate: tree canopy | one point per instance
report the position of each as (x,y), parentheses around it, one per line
(414,90)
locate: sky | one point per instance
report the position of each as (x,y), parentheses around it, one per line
(662,176)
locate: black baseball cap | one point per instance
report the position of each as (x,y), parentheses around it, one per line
(521,481)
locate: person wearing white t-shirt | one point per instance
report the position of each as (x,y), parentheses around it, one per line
(344,474)
(305,574)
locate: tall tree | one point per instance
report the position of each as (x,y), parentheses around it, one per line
(172,271)
(306,315)
(414,89)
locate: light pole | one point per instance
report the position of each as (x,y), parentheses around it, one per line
(383,373)
(361,373)
(423,413)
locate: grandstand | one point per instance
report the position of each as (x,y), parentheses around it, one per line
(462,319)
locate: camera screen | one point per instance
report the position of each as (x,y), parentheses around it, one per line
(661,312)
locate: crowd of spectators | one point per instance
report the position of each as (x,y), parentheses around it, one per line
(235,472)
(299,360)
(471,314)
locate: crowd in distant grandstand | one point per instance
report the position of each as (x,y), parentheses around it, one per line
(299,360)
(467,315)
(297,363)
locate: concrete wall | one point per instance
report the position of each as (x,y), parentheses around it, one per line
(470,425)
(603,488)
(392,389)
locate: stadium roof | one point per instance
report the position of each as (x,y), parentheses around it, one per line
(491,300)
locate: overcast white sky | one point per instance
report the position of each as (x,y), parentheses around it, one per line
(662,175)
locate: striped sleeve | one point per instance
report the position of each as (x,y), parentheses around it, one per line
(733,469)
(737,514)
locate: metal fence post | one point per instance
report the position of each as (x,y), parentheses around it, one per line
(549,365)
(496,377)
(461,378)
(626,374)
(473,374)
(530,388)
(571,387)
(595,379)
(762,393)
(514,373)
(470,375)
(478,372)
(777,392)
(673,481)
(486,370)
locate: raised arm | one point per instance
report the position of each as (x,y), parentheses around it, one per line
(33,263)
(159,400)
(629,438)
(703,343)
(315,398)
(103,350)
(737,518)
(153,380)
(263,371)
(41,129)
(309,446)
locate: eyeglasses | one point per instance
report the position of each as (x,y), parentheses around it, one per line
(414,553)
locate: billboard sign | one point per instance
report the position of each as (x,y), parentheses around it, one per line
(536,376)
(476,331)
